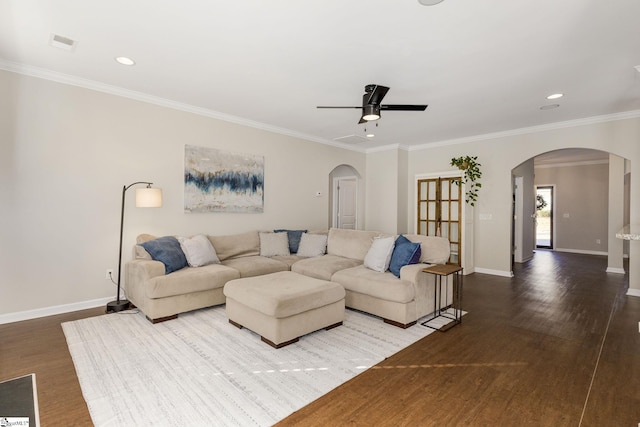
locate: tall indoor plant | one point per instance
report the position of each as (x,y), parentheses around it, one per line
(470,177)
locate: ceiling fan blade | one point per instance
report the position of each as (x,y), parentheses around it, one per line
(374,96)
(400,107)
(324,106)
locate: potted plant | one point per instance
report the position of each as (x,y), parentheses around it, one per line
(472,173)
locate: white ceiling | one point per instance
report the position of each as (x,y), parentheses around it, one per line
(482,66)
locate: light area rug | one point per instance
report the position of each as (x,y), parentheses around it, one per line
(200,370)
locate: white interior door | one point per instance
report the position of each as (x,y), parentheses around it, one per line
(346,190)
(518,218)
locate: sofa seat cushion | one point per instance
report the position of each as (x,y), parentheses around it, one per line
(250,266)
(384,286)
(283,294)
(190,279)
(323,267)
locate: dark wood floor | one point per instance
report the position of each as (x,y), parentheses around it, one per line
(557,345)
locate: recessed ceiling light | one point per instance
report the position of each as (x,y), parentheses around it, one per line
(370,135)
(555,96)
(125,61)
(549,107)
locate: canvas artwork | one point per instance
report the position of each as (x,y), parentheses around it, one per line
(221,181)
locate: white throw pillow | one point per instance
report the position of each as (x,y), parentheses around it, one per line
(312,245)
(379,255)
(273,244)
(198,250)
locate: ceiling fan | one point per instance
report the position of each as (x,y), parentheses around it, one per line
(371,104)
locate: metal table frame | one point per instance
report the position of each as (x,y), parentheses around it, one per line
(440,271)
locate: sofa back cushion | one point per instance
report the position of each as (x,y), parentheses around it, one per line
(236,245)
(352,244)
(138,251)
(435,250)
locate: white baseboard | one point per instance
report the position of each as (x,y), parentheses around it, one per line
(51,311)
(494,272)
(633,292)
(580,251)
(615,270)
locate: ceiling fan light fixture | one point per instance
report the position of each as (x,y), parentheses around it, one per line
(370,112)
(429,2)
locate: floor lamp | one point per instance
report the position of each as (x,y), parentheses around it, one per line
(145,198)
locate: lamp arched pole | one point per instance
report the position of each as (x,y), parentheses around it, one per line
(118,304)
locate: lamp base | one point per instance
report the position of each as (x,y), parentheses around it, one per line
(120,305)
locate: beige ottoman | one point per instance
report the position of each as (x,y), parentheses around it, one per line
(281,307)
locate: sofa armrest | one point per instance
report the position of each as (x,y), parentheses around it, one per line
(413,272)
(137,273)
(143,269)
(424,284)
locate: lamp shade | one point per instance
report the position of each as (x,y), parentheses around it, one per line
(148,197)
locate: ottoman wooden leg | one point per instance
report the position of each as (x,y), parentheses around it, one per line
(335,325)
(282,344)
(237,325)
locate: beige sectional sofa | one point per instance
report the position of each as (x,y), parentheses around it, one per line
(399,301)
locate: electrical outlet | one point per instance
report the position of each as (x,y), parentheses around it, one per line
(109,274)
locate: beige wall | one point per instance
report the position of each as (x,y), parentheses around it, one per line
(65,154)
(382,191)
(581,208)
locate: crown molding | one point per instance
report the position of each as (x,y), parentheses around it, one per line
(42,73)
(533,129)
(67,79)
(383,148)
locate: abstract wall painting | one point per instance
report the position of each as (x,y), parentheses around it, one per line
(221,181)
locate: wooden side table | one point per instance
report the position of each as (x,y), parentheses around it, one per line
(440,271)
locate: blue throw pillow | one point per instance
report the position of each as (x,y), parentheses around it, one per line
(404,253)
(166,250)
(294,237)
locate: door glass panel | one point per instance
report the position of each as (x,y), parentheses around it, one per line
(431,229)
(423,190)
(455,206)
(432,189)
(423,228)
(444,192)
(454,258)
(454,248)
(432,211)
(444,230)
(454,232)
(445,211)
(454,192)
(423,211)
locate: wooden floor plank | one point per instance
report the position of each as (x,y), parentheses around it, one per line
(524,355)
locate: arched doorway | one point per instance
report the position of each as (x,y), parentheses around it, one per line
(345,201)
(590,202)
